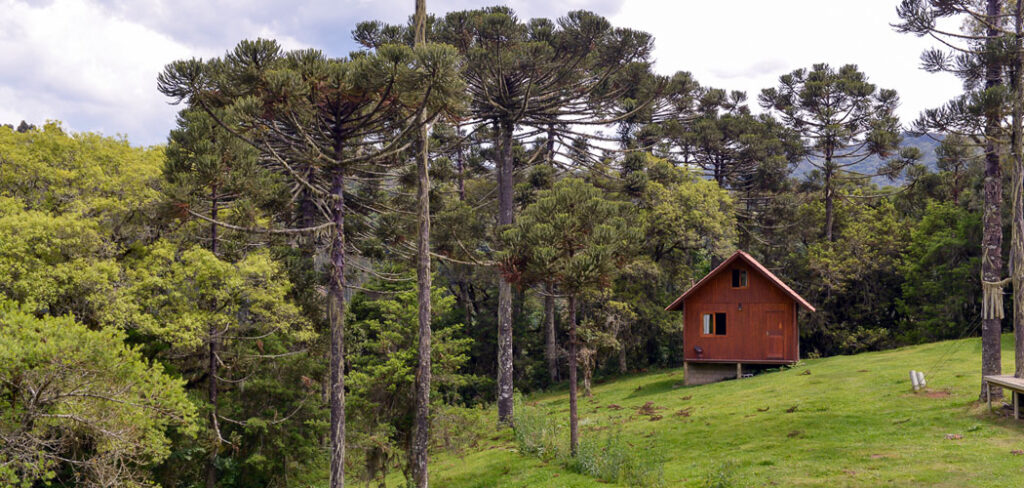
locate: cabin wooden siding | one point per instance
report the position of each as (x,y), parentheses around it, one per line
(761,322)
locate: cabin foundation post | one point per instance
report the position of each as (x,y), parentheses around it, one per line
(686,370)
(739,371)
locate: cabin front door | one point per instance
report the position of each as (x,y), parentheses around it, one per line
(773,326)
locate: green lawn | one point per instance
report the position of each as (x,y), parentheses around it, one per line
(856,423)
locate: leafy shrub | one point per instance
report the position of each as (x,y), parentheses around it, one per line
(81,407)
(456,428)
(721,476)
(607,458)
(536,432)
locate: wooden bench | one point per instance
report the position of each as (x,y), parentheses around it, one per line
(1015,385)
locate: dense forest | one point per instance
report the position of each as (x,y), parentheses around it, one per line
(335,264)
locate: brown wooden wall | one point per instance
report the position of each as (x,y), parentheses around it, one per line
(763,331)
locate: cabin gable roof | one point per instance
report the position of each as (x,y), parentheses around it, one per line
(741,256)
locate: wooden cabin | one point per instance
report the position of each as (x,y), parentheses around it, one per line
(739,314)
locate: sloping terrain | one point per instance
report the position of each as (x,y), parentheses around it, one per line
(848,421)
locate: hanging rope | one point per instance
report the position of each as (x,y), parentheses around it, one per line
(992,298)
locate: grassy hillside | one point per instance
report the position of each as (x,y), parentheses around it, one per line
(849,421)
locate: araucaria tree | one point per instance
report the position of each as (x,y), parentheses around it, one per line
(843,120)
(982,54)
(540,75)
(580,239)
(321,122)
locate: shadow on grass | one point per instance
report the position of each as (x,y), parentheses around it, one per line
(659,387)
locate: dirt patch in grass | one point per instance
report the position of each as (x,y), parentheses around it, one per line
(648,409)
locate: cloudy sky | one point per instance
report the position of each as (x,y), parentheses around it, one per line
(93,63)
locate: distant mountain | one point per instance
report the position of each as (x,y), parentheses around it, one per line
(925,143)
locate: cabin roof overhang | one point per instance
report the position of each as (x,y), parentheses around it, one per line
(748,259)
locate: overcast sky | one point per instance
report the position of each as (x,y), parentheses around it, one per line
(93,63)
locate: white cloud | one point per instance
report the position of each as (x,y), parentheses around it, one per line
(73,61)
(93,63)
(746,44)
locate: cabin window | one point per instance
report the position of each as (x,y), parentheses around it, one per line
(739,278)
(714,324)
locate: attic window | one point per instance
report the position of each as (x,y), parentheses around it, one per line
(739,278)
(713,324)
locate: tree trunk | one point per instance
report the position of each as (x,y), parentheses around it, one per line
(421,429)
(992,239)
(588,370)
(466,302)
(550,346)
(574,430)
(549,147)
(1016,238)
(460,167)
(622,357)
(550,336)
(211,382)
(505,217)
(830,195)
(956,187)
(337,322)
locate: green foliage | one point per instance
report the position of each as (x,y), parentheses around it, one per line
(608,457)
(58,264)
(685,221)
(382,350)
(873,419)
(604,456)
(857,280)
(721,476)
(683,212)
(537,433)
(571,235)
(86,174)
(80,405)
(457,429)
(185,299)
(69,206)
(838,110)
(944,254)
(107,237)
(736,149)
(842,119)
(180,295)
(212,172)
(577,64)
